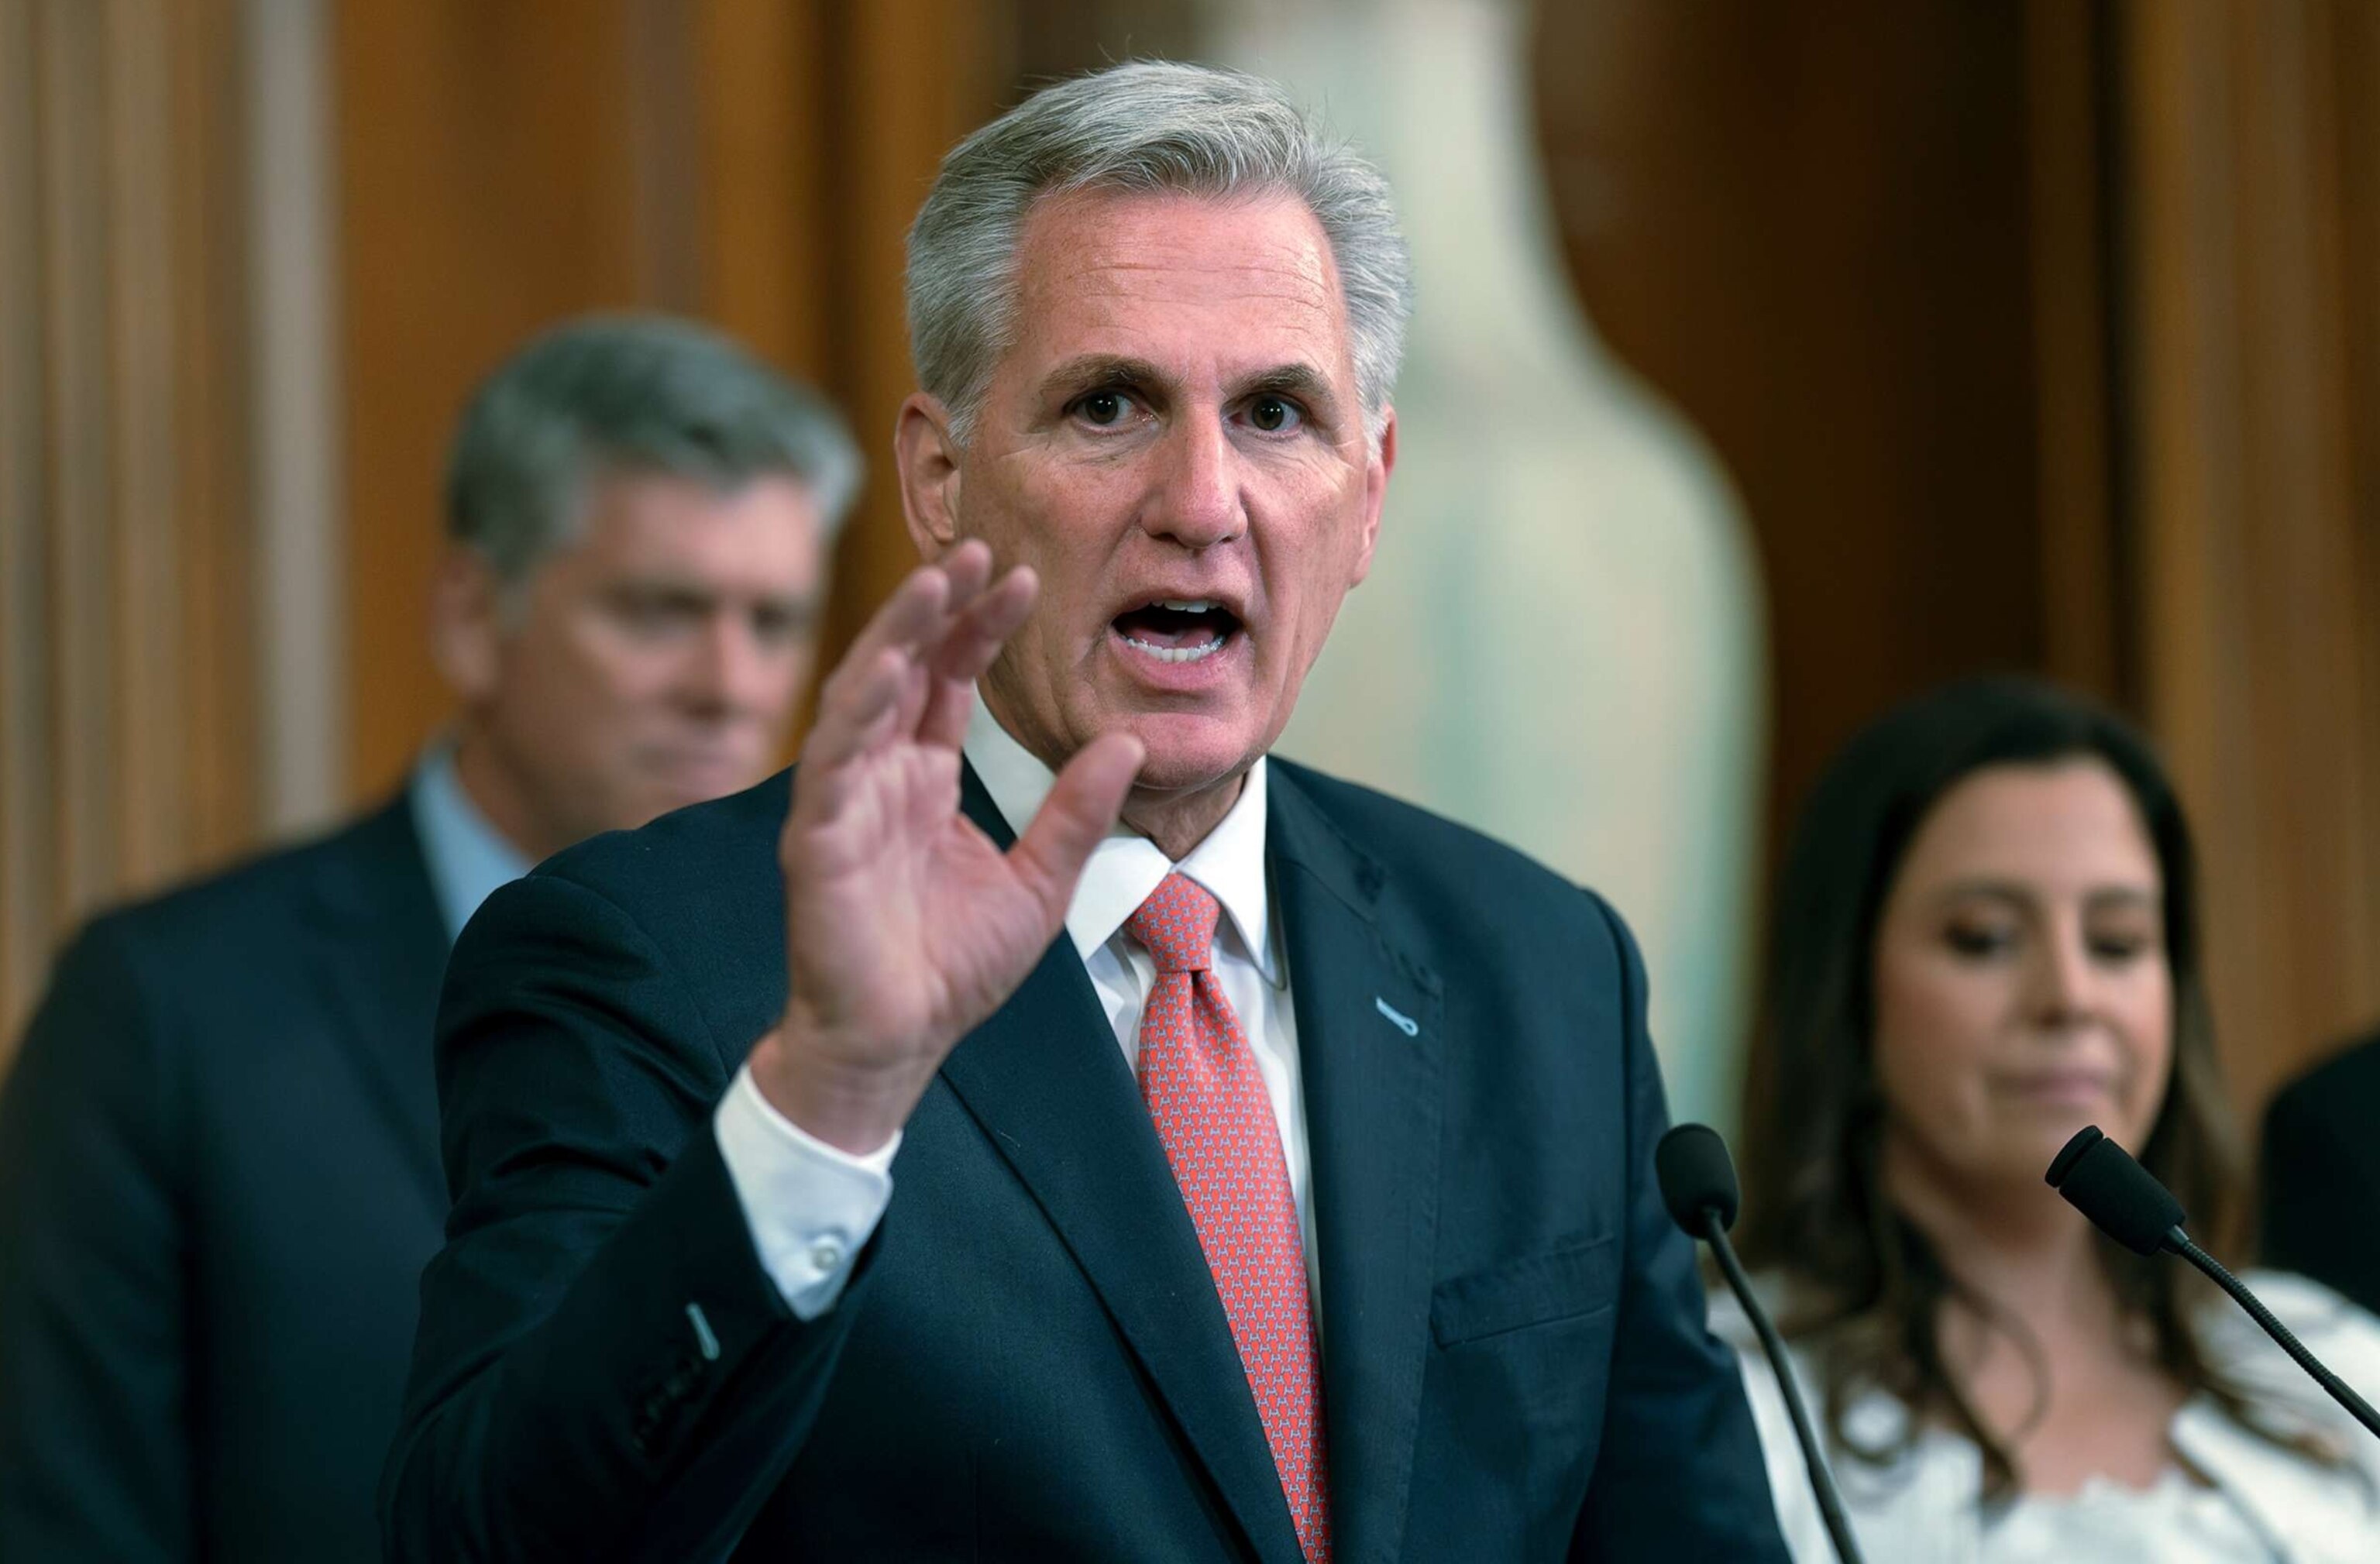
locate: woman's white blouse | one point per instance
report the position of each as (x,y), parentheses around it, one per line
(2176,1521)
(2260,1501)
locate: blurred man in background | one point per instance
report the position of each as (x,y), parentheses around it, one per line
(219,1167)
(2322,1174)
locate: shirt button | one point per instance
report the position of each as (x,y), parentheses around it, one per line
(826,1254)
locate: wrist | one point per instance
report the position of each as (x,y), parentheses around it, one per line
(856,1108)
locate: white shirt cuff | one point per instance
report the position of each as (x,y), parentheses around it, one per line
(810,1205)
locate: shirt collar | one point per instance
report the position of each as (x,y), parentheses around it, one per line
(1126,867)
(467,856)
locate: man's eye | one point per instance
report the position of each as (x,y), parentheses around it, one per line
(1274,415)
(1103,409)
(656,616)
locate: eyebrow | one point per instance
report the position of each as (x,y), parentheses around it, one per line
(1300,381)
(1100,369)
(676,591)
(2010,891)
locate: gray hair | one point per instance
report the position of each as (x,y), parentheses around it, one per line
(1143,128)
(629,393)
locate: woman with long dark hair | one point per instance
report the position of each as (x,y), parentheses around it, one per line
(1986,935)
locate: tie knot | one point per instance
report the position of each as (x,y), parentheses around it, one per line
(1177,923)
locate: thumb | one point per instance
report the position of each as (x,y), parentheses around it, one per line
(1082,807)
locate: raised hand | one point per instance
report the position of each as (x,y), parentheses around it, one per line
(904,926)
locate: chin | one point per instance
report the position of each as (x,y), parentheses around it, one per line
(1185,755)
(660,801)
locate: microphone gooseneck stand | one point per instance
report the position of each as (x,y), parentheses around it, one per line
(1697,1181)
(1822,1482)
(2125,1201)
(2340,1390)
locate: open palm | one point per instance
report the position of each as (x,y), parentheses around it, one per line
(906,927)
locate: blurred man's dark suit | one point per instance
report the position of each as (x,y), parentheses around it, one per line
(2322,1175)
(1030,1362)
(218,1184)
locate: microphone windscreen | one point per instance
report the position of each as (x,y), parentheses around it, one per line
(1697,1176)
(2120,1196)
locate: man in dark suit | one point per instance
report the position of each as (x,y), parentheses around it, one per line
(2322,1174)
(218,1149)
(972,1177)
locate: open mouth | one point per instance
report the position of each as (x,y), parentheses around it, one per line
(1178,629)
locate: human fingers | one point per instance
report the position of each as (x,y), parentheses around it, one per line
(911,619)
(974,640)
(967,565)
(904,628)
(1082,807)
(966,569)
(853,707)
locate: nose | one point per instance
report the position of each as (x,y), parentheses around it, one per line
(1197,502)
(731,674)
(2063,976)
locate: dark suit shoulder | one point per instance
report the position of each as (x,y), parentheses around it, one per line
(698,888)
(244,910)
(1452,866)
(2321,1175)
(714,854)
(2344,1087)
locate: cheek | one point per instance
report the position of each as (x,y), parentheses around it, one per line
(1308,571)
(1059,518)
(610,669)
(1934,1029)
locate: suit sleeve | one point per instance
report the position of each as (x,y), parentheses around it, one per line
(604,1370)
(2321,1204)
(93,1463)
(1679,1472)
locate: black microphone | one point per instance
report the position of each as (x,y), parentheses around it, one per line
(2125,1201)
(1698,1187)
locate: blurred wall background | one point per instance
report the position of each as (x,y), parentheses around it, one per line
(1882,340)
(2043,336)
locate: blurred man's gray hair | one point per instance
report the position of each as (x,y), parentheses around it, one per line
(1146,128)
(630,394)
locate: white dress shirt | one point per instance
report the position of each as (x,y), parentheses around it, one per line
(812,1206)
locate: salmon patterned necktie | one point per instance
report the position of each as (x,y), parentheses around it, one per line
(1216,1123)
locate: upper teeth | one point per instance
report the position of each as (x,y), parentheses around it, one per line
(1187,605)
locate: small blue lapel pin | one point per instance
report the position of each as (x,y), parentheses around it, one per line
(1398,1018)
(702,1333)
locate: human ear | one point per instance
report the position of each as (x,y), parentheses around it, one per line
(926,458)
(1379,464)
(467,623)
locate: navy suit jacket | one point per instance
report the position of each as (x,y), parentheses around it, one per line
(1030,1361)
(2322,1175)
(218,1185)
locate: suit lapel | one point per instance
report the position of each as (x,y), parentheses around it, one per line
(379,953)
(1370,1052)
(1051,1089)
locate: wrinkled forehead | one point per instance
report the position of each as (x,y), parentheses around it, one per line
(1128,272)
